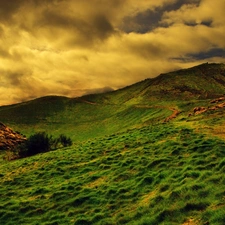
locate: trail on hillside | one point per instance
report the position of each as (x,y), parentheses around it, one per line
(173,115)
(90,103)
(175,112)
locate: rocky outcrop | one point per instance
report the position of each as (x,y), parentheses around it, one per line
(199,110)
(217,100)
(216,104)
(8,138)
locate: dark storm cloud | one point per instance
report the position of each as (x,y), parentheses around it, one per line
(103,27)
(179,3)
(16,79)
(148,49)
(214,52)
(149,19)
(73,23)
(207,23)
(8,8)
(81,30)
(142,22)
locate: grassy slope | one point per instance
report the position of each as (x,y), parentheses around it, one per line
(78,119)
(157,174)
(129,166)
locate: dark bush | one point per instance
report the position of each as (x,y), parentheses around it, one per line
(39,143)
(65,141)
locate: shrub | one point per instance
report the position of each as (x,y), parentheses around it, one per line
(39,143)
(65,141)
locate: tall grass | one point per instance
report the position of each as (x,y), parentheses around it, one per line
(157,174)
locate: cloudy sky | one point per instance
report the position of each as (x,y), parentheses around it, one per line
(76,47)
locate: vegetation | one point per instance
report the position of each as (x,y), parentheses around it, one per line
(157,174)
(104,114)
(129,164)
(40,143)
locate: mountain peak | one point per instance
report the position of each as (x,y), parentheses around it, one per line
(204,81)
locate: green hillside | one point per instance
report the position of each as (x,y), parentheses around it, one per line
(80,118)
(90,116)
(152,153)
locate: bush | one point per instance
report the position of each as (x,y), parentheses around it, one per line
(65,141)
(39,143)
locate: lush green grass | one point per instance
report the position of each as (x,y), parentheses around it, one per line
(127,166)
(157,174)
(80,120)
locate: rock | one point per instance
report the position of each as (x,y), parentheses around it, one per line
(199,110)
(217,100)
(221,105)
(218,105)
(9,139)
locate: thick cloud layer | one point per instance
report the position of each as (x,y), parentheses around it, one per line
(66,47)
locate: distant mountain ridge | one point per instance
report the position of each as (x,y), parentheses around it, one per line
(147,101)
(204,81)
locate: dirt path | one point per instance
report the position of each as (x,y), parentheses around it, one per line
(90,103)
(173,115)
(175,112)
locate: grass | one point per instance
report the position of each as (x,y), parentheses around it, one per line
(157,174)
(80,120)
(127,165)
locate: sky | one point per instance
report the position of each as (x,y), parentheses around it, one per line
(78,47)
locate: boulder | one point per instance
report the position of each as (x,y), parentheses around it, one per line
(9,139)
(217,100)
(199,110)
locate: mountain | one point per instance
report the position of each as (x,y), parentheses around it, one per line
(200,82)
(93,115)
(150,153)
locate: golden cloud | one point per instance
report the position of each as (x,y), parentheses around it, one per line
(76,47)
